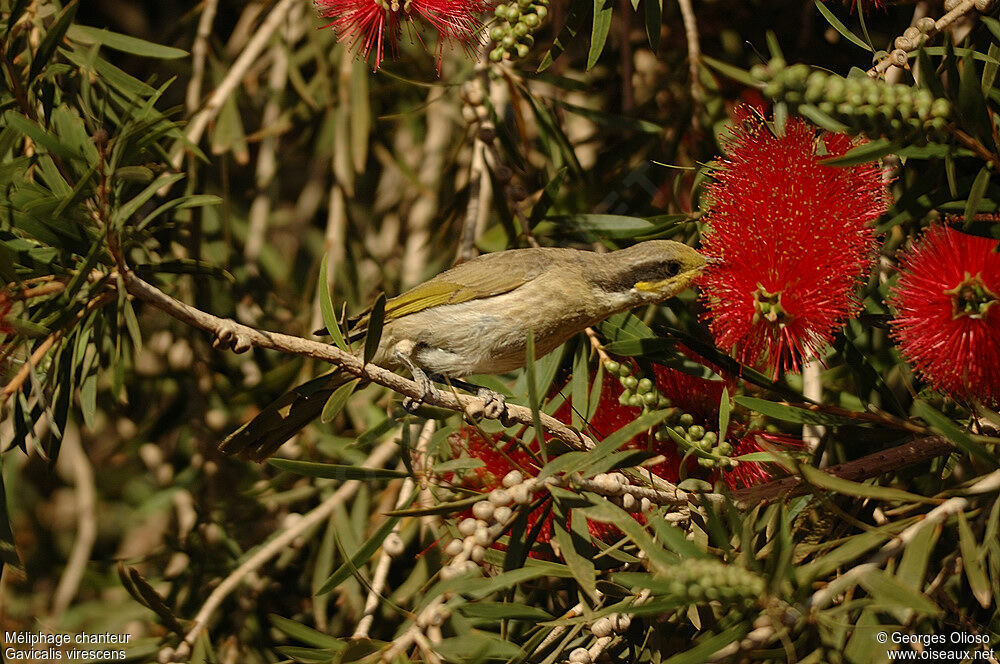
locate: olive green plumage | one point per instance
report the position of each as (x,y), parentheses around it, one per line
(475,317)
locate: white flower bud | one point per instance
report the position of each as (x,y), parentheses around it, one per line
(477,555)
(601,628)
(467,526)
(502,514)
(628,502)
(512,478)
(483,510)
(580,656)
(500,497)
(454,548)
(482,536)
(393,545)
(521,494)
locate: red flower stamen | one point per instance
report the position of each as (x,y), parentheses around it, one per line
(793,237)
(948,312)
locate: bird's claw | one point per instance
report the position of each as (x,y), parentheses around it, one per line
(494,405)
(228,336)
(427,391)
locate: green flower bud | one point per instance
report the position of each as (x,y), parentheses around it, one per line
(645,385)
(664,402)
(496,55)
(497,33)
(523,49)
(711,437)
(612,367)
(520,28)
(941,108)
(623,399)
(724,449)
(500,11)
(508,42)
(630,382)
(697,432)
(531,20)
(686,420)
(624,370)
(649,398)
(541,12)
(635,400)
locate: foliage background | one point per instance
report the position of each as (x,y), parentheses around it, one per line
(124,516)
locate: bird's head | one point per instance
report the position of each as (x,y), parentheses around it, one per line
(653,271)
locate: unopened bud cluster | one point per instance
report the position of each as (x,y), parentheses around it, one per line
(514,36)
(700,581)
(490,517)
(641,392)
(865,105)
(603,628)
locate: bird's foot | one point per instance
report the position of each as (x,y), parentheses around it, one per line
(494,405)
(228,335)
(427,391)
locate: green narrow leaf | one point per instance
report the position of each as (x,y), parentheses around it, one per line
(735,73)
(653,11)
(864,153)
(51,40)
(548,197)
(577,14)
(533,401)
(972,561)
(840,27)
(332,471)
(306,634)
(86,34)
(581,566)
(8,552)
(950,430)
(366,551)
(599,34)
(338,400)
(976,193)
(887,589)
(725,408)
(375,321)
(361,115)
(790,413)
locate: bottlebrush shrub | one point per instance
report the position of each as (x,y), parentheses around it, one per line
(695,402)
(373,26)
(792,236)
(947,319)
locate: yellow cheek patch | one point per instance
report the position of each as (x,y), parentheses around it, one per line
(653,286)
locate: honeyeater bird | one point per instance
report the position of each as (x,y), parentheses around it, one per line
(475,318)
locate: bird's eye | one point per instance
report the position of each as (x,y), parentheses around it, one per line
(673,268)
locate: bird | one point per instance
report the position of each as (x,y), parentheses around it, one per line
(475,319)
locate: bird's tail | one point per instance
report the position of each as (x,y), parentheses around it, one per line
(261,437)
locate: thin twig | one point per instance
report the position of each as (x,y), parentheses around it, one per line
(382,567)
(912,453)
(199,54)
(75,466)
(242,337)
(897,58)
(314,517)
(694,56)
(199,122)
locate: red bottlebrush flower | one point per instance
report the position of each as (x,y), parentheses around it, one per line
(792,237)
(752,473)
(948,312)
(5,307)
(375,25)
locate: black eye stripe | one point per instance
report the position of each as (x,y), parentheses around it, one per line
(651,272)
